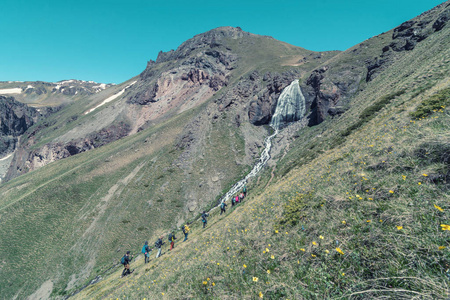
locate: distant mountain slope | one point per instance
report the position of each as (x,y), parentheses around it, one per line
(39,93)
(226,65)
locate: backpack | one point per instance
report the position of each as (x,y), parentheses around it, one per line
(245,189)
(122,261)
(186,228)
(157,244)
(144,249)
(170,237)
(222,205)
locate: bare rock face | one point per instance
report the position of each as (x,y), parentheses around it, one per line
(25,160)
(15,119)
(191,74)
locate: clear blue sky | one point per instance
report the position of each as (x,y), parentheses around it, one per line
(112,40)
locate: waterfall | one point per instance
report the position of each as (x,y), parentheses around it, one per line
(290,108)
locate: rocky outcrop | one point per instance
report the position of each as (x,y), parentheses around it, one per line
(26,160)
(406,37)
(15,119)
(327,90)
(194,72)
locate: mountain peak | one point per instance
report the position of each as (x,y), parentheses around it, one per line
(212,38)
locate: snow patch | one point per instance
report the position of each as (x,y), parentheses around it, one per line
(30,87)
(109,99)
(100,86)
(6,157)
(65,81)
(11,91)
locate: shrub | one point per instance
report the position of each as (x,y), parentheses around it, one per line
(432,104)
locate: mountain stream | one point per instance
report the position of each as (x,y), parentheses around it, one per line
(291,107)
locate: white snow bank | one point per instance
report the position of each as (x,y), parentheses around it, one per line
(109,99)
(100,86)
(6,157)
(11,91)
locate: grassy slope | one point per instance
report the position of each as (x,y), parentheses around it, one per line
(372,195)
(67,220)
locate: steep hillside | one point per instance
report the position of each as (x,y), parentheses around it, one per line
(357,208)
(350,207)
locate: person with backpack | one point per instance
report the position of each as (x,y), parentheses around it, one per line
(233,201)
(204,220)
(223,205)
(172,239)
(237,199)
(241,197)
(125,261)
(158,244)
(146,251)
(244,190)
(185,229)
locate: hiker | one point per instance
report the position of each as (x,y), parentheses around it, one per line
(185,229)
(244,190)
(125,261)
(158,244)
(146,251)
(237,199)
(241,197)
(172,239)
(204,216)
(233,201)
(222,207)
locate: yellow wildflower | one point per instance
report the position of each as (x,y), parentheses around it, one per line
(205,282)
(268,271)
(314,243)
(213,284)
(399,227)
(441,247)
(343,274)
(302,249)
(255,279)
(425,175)
(445,227)
(267,249)
(260,295)
(368,221)
(276,231)
(245,266)
(438,208)
(391,191)
(343,222)
(419,183)
(327,252)
(321,237)
(313,255)
(208,279)
(340,251)
(272,257)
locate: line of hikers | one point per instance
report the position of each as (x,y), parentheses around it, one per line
(126,259)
